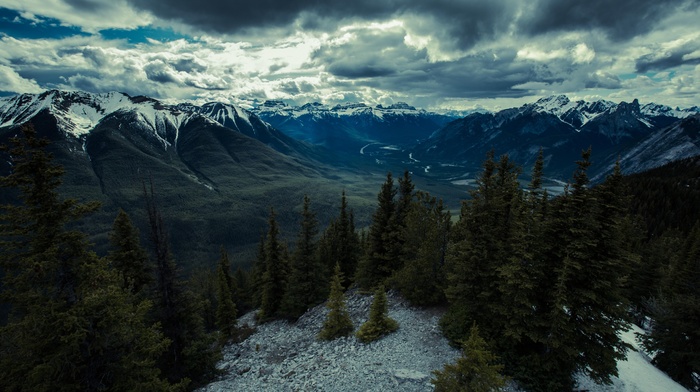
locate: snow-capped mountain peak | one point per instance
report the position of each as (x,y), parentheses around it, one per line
(77,113)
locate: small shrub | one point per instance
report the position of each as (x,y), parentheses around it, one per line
(379,323)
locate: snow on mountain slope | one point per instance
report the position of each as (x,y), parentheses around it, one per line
(279,108)
(77,113)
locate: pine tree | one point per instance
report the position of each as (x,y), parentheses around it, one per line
(340,244)
(375,266)
(127,256)
(475,371)
(348,243)
(422,278)
(226,315)
(191,356)
(379,323)
(258,273)
(244,301)
(487,243)
(581,310)
(393,236)
(675,337)
(337,323)
(71,325)
(202,282)
(306,283)
(274,279)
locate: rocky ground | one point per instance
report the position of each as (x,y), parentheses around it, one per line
(282,356)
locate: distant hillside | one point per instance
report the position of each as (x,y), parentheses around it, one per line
(668,196)
(217,169)
(642,136)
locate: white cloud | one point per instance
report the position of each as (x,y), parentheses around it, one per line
(582,54)
(11,81)
(99,15)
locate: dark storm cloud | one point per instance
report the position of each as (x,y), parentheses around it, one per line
(662,60)
(160,73)
(369,54)
(620,19)
(225,16)
(188,64)
(464,22)
(358,70)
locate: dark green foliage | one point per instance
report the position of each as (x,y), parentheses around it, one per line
(202,284)
(379,323)
(72,326)
(340,244)
(192,355)
(667,197)
(306,286)
(421,280)
(127,256)
(545,281)
(477,370)
(375,265)
(675,336)
(393,236)
(258,273)
(226,315)
(585,301)
(274,279)
(244,301)
(488,243)
(337,323)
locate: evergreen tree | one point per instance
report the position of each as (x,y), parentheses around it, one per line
(127,256)
(475,371)
(202,282)
(71,325)
(258,273)
(675,337)
(191,356)
(393,236)
(425,236)
(337,323)
(340,243)
(306,284)
(376,264)
(274,279)
(244,301)
(379,323)
(585,306)
(226,315)
(487,244)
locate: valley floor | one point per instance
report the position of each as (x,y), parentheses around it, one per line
(282,356)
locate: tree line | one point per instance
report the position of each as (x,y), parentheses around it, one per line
(547,283)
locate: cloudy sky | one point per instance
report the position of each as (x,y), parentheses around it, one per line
(435,54)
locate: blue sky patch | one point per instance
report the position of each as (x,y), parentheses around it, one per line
(13,24)
(142,34)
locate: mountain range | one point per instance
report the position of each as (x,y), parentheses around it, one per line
(218,168)
(348,127)
(640,136)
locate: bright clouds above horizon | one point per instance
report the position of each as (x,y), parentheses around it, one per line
(439,54)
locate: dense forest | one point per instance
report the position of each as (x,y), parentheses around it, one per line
(535,288)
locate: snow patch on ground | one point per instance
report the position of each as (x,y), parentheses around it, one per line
(636,373)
